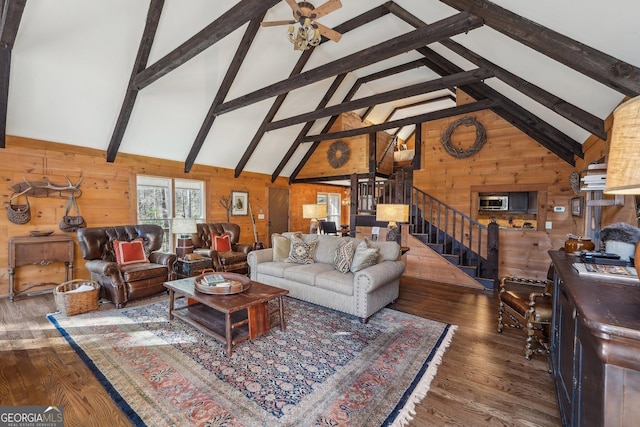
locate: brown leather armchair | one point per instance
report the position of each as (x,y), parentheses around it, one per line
(121,284)
(231,261)
(528,304)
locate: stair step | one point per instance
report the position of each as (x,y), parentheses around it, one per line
(487,283)
(453,259)
(469,269)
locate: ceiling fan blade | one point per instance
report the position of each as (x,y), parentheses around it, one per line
(274,23)
(326,8)
(329,33)
(297,13)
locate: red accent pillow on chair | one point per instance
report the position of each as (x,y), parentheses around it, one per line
(221,243)
(129,252)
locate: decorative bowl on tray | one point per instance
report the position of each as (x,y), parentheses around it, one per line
(40,233)
(220,283)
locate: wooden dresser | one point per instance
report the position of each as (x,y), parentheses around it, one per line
(595,348)
(43,251)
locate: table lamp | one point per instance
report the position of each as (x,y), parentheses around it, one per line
(623,173)
(184,227)
(393,213)
(313,212)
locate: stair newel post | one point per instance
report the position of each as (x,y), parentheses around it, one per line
(492,252)
(353,207)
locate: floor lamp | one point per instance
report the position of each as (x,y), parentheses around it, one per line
(394,213)
(313,212)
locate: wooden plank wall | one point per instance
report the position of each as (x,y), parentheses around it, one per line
(509,157)
(109,194)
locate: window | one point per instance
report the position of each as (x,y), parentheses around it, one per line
(160,199)
(332,200)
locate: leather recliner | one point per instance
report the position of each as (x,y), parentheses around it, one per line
(123,283)
(230,261)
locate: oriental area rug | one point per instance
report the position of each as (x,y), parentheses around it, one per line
(326,369)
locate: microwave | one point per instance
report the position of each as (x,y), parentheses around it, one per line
(493,203)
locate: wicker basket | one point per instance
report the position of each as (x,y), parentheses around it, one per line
(76,302)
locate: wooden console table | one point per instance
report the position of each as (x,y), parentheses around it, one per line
(595,347)
(44,250)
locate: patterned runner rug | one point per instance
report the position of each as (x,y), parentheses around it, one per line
(326,369)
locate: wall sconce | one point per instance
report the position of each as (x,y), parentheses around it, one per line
(184,227)
(393,214)
(313,212)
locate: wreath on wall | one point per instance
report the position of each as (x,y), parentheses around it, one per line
(338,154)
(481,138)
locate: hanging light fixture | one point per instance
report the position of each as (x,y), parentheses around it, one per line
(306,37)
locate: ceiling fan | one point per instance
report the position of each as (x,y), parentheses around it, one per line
(310,31)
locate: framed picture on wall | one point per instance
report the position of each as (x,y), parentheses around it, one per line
(576,206)
(239,202)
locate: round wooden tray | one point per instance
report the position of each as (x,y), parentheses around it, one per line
(239,283)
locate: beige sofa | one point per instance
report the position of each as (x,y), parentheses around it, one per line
(361,293)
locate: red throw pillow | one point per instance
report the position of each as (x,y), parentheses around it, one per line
(129,252)
(221,243)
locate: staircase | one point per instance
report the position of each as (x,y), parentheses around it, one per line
(459,239)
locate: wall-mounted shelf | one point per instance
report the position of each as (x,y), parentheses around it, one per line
(592,180)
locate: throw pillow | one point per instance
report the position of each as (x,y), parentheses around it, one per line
(364,256)
(281,246)
(344,255)
(221,243)
(301,252)
(129,252)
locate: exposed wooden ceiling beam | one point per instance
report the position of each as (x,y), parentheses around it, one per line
(307,127)
(434,115)
(10,18)
(343,28)
(617,74)
(381,98)
(418,103)
(447,27)
(148,35)
(585,120)
(235,17)
(541,131)
(223,90)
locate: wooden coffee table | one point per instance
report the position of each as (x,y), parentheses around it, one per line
(229,319)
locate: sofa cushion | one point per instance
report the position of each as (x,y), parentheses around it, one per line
(281,246)
(344,255)
(306,274)
(221,243)
(364,256)
(326,248)
(336,281)
(275,268)
(301,252)
(129,252)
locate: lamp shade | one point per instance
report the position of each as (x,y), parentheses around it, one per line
(183,226)
(392,213)
(312,211)
(623,162)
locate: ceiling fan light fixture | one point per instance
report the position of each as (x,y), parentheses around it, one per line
(305,38)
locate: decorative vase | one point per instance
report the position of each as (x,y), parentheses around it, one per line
(575,244)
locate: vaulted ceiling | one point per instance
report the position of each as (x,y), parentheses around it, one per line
(202,82)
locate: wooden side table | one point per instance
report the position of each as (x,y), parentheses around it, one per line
(42,250)
(184,268)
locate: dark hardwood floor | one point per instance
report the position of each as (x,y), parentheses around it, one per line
(484,379)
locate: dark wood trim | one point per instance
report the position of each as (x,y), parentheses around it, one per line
(148,35)
(434,115)
(10,18)
(418,103)
(223,90)
(612,72)
(228,22)
(372,140)
(392,95)
(585,120)
(416,163)
(447,27)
